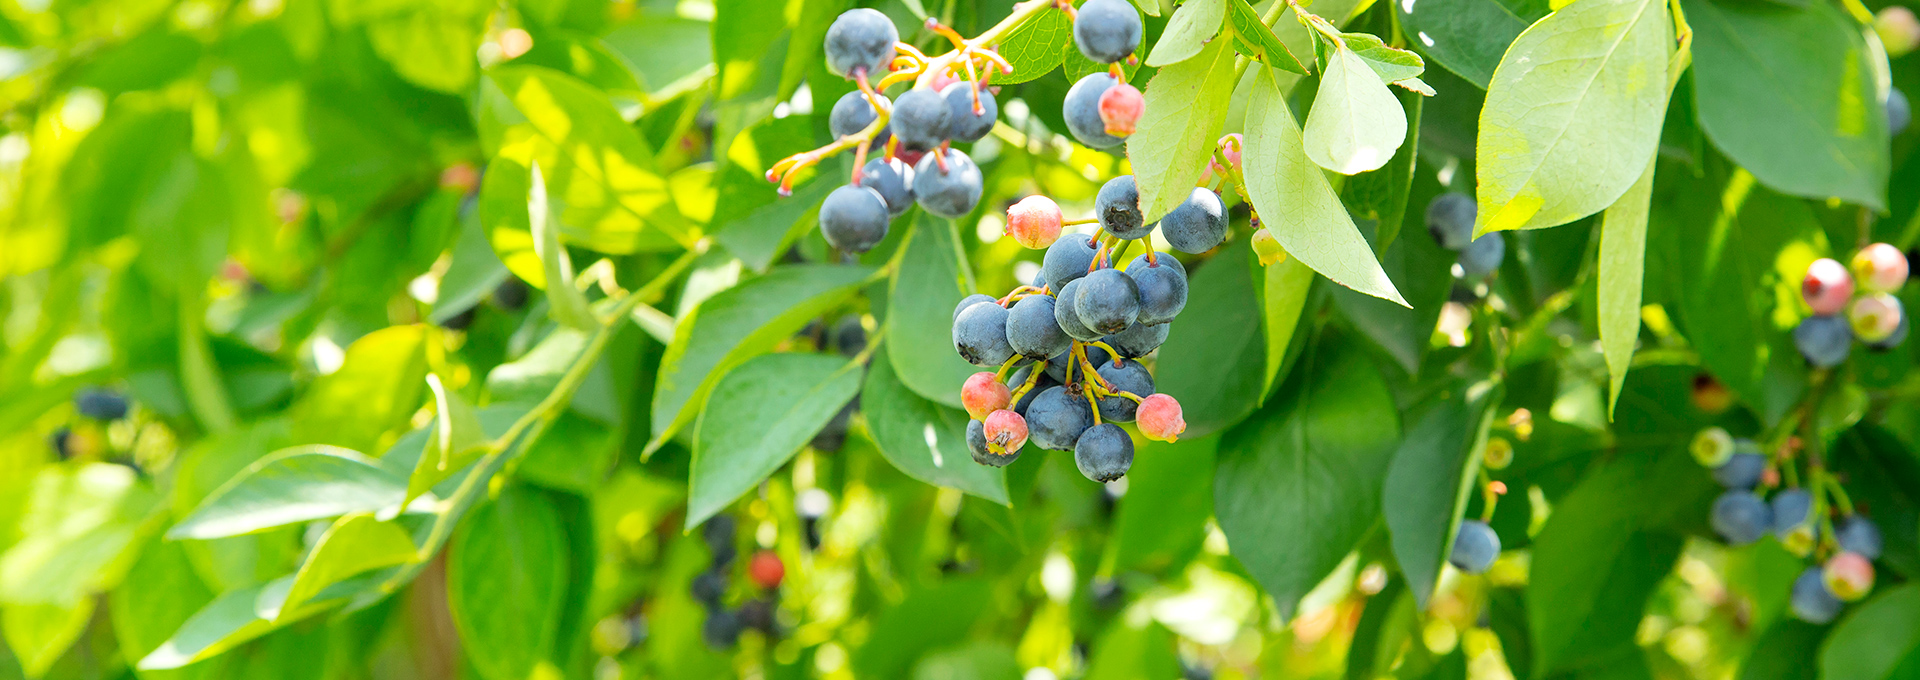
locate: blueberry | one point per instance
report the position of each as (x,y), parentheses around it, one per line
(1811,602)
(893,180)
(718,531)
(853,218)
(1117,206)
(1741,472)
(1824,340)
(1483,255)
(1450,219)
(1057,366)
(461,321)
(101,404)
(758,615)
(1067,259)
(854,113)
(709,587)
(1793,520)
(721,630)
(849,337)
(1741,517)
(1065,314)
(1163,287)
(1032,330)
(1899,112)
(964,125)
(1056,418)
(970,301)
(977,445)
(980,335)
(1196,225)
(1106,31)
(1140,340)
(1857,534)
(1019,377)
(511,294)
(1081,108)
(1475,547)
(921,119)
(861,41)
(1108,301)
(1104,453)
(62,441)
(1129,376)
(952,192)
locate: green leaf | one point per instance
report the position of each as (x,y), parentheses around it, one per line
(1296,202)
(429,42)
(929,618)
(1212,358)
(241,615)
(1134,652)
(1789,649)
(75,533)
(1298,484)
(565,302)
(1036,47)
(376,390)
(1789,95)
(1382,195)
(506,578)
(1186,104)
(1623,249)
(354,545)
(161,592)
(293,485)
(1193,25)
(1465,36)
(1356,123)
(473,272)
(1573,113)
(1879,638)
(1392,64)
(1286,287)
(926,440)
(927,285)
(735,325)
(759,415)
(1432,478)
(1163,521)
(39,634)
(1260,41)
(457,439)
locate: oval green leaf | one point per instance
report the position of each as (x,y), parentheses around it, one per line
(926,440)
(1192,26)
(1186,104)
(1356,123)
(506,582)
(757,418)
(295,485)
(1213,356)
(926,286)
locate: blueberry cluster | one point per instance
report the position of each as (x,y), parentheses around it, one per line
(1101,108)
(1848,305)
(723,626)
(1798,518)
(1450,219)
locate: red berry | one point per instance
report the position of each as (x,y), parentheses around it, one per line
(766,570)
(983,394)
(461,177)
(1849,576)
(1880,268)
(1160,419)
(1827,286)
(1120,108)
(1034,222)
(1006,432)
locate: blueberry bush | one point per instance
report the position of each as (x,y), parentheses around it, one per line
(540,339)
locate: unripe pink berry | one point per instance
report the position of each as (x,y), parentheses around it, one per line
(1849,576)
(1880,268)
(1160,419)
(1006,432)
(1120,108)
(1899,30)
(460,177)
(983,394)
(1230,147)
(1267,247)
(1827,286)
(1034,222)
(1874,316)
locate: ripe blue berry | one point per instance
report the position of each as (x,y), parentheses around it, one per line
(1163,287)
(1740,517)
(952,192)
(1824,340)
(921,119)
(1899,112)
(854,113)
(709,587)
(721,630)
(1106,31)
(1108,301)
(1081,108)
(1196,225)
(980,335)
(1811,601)
(1104,453)
(1129,376)
(1857,534)
(1450,219)
(1139,340)
(1741,472)
(967,126)
(1032,330)
(853,218)
(893,180)
(1483,255)
(1793,520)
(1056,419)
(861,41)
(1117,206)
(1067,259)
(1066,313)
(1475,547)
(970,301)
(100,404)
